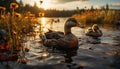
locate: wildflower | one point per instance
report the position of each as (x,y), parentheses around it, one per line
(2,8)
(41,14)
(18,15)
(14,5)
(2,17)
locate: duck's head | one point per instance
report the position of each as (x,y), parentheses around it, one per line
(71,22)
(95,27)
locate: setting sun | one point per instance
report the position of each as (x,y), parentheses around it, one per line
(46,4)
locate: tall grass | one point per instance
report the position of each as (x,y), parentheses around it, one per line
(109,17)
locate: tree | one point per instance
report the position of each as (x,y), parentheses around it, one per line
(107,7)
(35,5)
(102,8)
(77,8)
(21,6)
(92,9)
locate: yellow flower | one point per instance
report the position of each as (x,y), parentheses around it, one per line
(2,16)
(2,8)
(41,14)
(18,15)
(14,5)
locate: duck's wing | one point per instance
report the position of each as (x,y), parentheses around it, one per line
(54,35)
(69,41)
(63,42)
(58,43)
(50,43)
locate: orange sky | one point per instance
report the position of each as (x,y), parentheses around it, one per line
(72,4)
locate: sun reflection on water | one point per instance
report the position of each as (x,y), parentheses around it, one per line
(44,25)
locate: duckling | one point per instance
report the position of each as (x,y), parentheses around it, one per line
(93,34)
(66,42)
(97,31)
(94,31)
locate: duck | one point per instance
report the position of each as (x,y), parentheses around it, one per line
(67,40)
(93,33)
(117,25)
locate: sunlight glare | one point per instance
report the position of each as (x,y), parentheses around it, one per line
(44,24)
(46,4)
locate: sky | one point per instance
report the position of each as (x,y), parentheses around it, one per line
(72,4)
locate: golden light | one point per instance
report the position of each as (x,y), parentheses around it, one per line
(44,25)
(44,3)
(45,54)
(43,21)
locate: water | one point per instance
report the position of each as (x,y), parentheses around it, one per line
(88,56)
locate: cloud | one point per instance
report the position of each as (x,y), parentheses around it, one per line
(115,5)
(66,1)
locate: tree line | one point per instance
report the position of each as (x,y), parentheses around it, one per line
(47,13)
(36,10)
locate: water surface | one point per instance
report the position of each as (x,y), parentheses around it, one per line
(88,56)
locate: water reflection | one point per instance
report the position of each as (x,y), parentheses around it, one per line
(44,25)
(47,23)
(68,56)
(68,59)
(43,21)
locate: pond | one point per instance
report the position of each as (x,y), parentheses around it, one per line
(88,56)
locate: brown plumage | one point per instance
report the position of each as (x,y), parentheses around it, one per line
(66,41)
